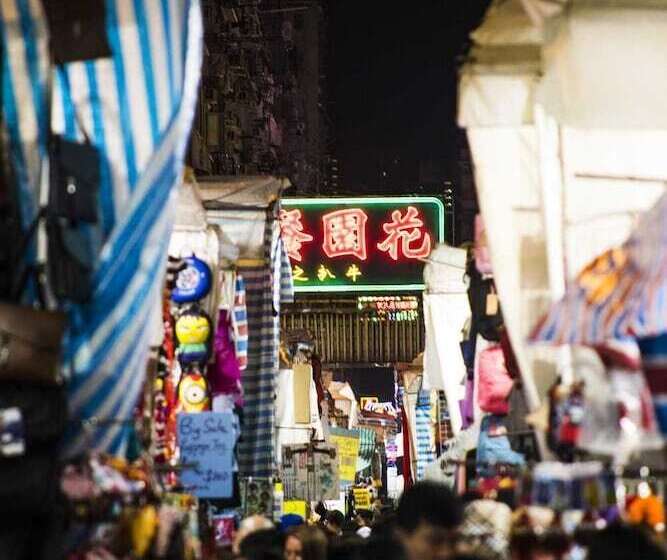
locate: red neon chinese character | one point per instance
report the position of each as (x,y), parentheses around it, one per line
(345,233)
(292,233)
(402,232)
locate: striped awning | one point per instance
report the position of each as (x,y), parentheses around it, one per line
(137,108)
(621,294)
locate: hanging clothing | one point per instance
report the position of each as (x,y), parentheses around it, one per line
(288,431)
(266,288)
(425,443)
(445,316)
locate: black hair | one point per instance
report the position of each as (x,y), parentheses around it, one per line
(336,518)
(386,547)
(349,548)
(265,544)
(621,542)
(429,502)
(366,515)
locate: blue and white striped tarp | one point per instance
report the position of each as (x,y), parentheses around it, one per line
(137,108)
(425,449)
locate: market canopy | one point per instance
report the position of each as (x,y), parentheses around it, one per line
(622,293)
(136,107)
(563,166)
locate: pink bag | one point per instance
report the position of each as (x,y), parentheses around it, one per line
(495,383)
(224,374)
(481,251)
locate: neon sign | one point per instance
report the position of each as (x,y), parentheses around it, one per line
(360,244)
(402,231)
(292,233)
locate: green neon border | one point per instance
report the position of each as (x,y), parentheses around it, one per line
(369,200)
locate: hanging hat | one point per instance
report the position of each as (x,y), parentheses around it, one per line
(193,282)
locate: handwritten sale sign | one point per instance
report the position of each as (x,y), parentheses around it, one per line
(206,441)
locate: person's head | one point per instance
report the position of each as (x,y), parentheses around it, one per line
(620,542)
(250,525)
(364,517)
(347,548)
(265,544)
(385,547)
(305,543)
(334,522)
(427,517)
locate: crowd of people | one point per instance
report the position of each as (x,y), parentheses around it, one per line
(430,522)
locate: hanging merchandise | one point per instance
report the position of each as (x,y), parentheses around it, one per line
(566,414)
(224,373)
(481,251)
(193,393)
(193,331)
(257,497)
(619,418)
(484,304)
(647,508)
(494,446)
(495,384)
(193,283)
(577,486)
(446,312)
(310,472)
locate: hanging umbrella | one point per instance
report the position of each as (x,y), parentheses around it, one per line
(622,293)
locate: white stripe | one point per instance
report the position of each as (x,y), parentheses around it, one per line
(80,96)
(113,136)
(158,41)
(150,252)
(57,113)
(25,108)
(128,32)
(176,15)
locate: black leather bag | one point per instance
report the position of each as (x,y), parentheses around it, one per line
(77,30)
(74,178)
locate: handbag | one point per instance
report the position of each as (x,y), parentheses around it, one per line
(495,384)
(30,342)
(77,30)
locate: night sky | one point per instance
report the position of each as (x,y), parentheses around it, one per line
(392,84)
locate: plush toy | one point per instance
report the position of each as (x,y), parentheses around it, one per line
(193,281)
(193,395)
(193,331)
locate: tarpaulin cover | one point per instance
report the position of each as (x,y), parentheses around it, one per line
(622,293)
(137,108)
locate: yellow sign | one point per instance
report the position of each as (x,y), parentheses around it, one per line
(347,442)
(297,507)
(362,498)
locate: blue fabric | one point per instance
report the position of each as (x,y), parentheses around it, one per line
(495,449)
(119,102)
(425,451)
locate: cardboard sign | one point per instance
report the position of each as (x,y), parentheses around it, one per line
(362,498)
(347,442)
(296,507)
(206,441)
(310,473)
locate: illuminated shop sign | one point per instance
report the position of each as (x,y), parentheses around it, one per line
(360,244)
(390,308)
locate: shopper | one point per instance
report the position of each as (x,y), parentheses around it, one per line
(364,520)
(620,542)
(427,519)
(248,526)
(305,543)
(333,523)
(265,544)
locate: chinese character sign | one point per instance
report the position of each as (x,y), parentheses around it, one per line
(360,244)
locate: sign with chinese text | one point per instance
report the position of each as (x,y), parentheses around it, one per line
(360,244)
(206,441)
(347,442)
